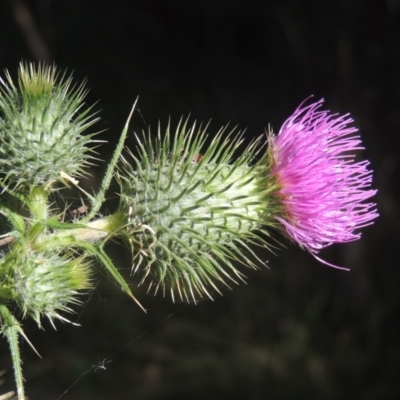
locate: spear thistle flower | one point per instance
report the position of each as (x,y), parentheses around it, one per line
(188,212)
(320,186)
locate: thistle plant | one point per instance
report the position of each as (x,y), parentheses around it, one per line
(190,211)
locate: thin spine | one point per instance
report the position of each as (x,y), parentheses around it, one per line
(98,200)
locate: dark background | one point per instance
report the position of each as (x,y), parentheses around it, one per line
(298,329)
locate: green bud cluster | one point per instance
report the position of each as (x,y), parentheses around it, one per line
(44,256)
(190,206)
(40,128)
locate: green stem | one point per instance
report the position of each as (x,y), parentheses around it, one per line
(37,203)
(68,234)
(11,329)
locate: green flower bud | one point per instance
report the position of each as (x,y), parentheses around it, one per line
(40,128)
(191,214)
(43,284)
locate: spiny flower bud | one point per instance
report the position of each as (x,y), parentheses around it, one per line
(45,283)
(40,128)
(190,214)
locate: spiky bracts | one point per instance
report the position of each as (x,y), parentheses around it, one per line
(41,125)
(44,283)
(193,210)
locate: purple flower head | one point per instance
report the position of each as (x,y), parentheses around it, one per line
(320,186)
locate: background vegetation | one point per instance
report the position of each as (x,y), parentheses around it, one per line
(298,329)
